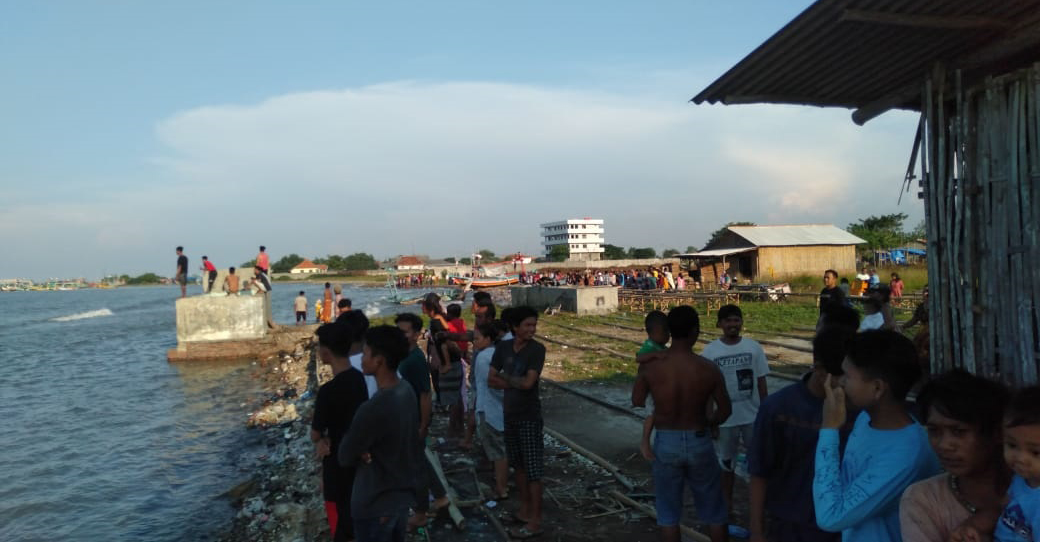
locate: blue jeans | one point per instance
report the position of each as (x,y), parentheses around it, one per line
(382,529)
(687,458)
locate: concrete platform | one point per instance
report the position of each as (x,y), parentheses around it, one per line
(580,300)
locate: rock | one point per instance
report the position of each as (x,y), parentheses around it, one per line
(240,491)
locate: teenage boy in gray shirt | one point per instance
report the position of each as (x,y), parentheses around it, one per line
(382,443)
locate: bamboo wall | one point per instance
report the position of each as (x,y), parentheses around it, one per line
(982,227)
(779,262)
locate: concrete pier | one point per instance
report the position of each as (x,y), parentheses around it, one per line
(212,327)
(580,300)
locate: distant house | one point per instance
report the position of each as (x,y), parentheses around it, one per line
(767,253)
(410,263)
(307,267)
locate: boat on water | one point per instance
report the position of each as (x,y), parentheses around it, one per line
(486,282)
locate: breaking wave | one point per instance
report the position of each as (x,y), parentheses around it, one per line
(82,315)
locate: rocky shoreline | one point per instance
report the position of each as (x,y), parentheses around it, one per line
(281,500)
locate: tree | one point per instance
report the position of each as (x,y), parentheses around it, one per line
(559,253)
(147,278)
(486,254)
(286,263)
(669,252)
(641,253)
(248,265)
(717,234)
(920,231)
(334,261)
(360,261)
(885,231)
(613,252)
(465,261)
(691,249)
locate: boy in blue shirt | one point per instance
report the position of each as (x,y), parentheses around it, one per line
(858,494)
(1020,520)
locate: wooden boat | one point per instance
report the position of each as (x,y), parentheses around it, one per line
(486,282)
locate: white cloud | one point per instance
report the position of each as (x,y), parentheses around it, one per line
(444,168)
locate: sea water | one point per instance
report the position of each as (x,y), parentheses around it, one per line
(101,438)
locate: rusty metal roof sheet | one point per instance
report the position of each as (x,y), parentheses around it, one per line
(853,53)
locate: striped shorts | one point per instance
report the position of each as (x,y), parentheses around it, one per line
(525,447)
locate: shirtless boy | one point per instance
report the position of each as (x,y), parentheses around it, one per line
(682,383)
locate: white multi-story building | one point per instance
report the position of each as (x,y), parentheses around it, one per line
(583,237)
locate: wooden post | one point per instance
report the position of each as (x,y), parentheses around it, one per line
(453,510)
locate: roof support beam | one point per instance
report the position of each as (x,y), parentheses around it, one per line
(924,21)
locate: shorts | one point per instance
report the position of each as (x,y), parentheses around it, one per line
(491,439)
(301,316)
(687,458)
(525,447)
(182,279)
(728,444)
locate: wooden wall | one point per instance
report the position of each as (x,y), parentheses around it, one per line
(779,262)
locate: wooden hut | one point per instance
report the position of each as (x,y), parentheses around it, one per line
(970,67)
(770,253)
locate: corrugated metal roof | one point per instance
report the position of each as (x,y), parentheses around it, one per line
(853,53)
(716,252)
(808,234)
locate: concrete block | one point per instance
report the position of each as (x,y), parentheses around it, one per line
(221,318)
(580,300)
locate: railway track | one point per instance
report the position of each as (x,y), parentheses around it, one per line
(629,356)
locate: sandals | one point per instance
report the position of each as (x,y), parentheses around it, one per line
(511,517)
(523,533)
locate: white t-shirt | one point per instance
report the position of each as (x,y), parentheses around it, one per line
(741,364)
(489,400)
(370,381)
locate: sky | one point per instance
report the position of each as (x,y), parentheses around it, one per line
(438,128)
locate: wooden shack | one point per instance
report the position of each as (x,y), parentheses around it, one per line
(970,67)
(771,253)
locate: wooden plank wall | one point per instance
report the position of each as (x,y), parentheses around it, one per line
(982,227)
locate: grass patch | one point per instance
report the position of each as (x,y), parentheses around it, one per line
(590,366)
(914,278)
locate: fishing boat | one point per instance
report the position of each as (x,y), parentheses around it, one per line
(394,295)
(486,282)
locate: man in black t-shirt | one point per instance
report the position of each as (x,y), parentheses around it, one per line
(516,368)
(182,271)
(831,297)
(334,408)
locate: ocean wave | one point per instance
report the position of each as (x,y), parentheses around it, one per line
(82,315)
(372,309)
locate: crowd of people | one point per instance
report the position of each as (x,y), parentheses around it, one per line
(378,479)
(650,278)
(839,455)
(842,454)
